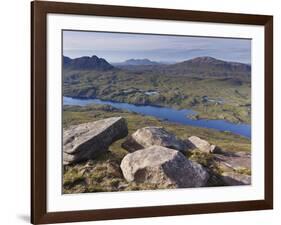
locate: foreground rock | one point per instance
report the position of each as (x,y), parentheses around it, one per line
(164,167)
(149,136)
(88,140)
(232,178)
(233,161)
(203,145)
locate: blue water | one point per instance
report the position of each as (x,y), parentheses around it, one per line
(169,114)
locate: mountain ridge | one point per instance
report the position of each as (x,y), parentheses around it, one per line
(204,66)
(214,64)
(86,63)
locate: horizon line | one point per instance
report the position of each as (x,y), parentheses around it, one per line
(157,61)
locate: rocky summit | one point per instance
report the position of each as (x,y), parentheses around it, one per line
(164,167)
(88,140)
(149,136)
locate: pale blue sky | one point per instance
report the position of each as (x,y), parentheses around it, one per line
(118,47)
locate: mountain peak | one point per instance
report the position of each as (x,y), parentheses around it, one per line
(210,65)
(204,59)
(87,63)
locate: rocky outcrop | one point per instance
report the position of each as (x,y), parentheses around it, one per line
(232,179)
(164,167)
(149,136)
(88,140)
(203,145)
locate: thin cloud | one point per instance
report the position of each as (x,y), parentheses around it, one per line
(116,47)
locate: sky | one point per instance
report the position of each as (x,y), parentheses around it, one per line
(118,47)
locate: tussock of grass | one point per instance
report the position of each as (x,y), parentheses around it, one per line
(206,160)
(244,171)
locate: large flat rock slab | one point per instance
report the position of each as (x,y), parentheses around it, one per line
(232,179)
(234,161)
(88,140)
(164,167)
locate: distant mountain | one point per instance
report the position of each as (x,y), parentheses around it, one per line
(209,66)
(138,62)
(197,67)
(86,63)
(214,63)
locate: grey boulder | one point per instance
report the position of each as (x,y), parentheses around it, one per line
(149,136)
(203,145)
(87,141)
(164,167)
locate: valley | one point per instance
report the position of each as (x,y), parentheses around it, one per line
(213,88)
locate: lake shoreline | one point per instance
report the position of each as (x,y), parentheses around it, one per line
(197,115)
(167,114)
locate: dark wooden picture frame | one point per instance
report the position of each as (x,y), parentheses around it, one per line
(40,9)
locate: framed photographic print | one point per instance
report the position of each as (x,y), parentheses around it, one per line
(142,112)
